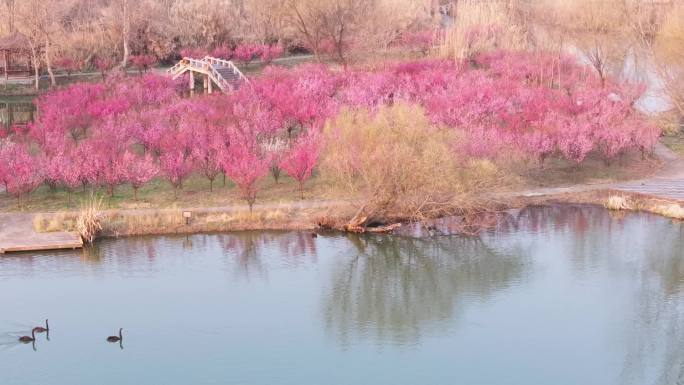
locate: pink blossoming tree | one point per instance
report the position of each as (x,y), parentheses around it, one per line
(301,160)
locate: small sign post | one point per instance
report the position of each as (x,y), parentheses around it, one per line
(187,215)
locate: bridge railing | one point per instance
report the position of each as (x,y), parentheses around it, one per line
(213,61)
(177,67)
(220,80)
(210,66)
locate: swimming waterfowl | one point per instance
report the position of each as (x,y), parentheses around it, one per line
(27,338)
(40,329)
(115,338)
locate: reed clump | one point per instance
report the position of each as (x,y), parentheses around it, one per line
(89,220)
(669,210)
(617,203)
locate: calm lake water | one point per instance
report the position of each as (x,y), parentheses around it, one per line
(560,295)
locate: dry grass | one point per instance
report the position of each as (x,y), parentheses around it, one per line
(674,142)
(617,202)
(61,221)
(669,210)
(89,220)
(171,221)
(482,26)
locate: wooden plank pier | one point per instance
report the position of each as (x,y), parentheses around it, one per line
(17,234)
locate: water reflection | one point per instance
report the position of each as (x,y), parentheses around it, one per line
(545,287)
(396,289)
(646,250)
(245,251)
(248,250)
(15,110)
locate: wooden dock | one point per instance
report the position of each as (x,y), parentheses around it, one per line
(17,234)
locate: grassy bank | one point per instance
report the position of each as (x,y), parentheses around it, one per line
(307,215)
(619,202)
(159,194)
(274,216)
(159,209)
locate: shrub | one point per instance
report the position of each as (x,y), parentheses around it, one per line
(395,159)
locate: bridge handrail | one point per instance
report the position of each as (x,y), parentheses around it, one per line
(220,80)
(209,65)
(175,68)
(198,63)
(226,63)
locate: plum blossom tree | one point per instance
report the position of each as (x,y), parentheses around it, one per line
(207,152)
(301,160)
(532,105)
(176,166)
(222,52)
(138,170)
(271,52)
(69,173)
(21,176)
(67,64)
(246,52)
(143,62)
(193,52)
(275,150)
(103,64)
(245,167)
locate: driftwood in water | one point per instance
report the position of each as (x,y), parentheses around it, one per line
(359,225)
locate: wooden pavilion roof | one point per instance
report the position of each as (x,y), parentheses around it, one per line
(15,42)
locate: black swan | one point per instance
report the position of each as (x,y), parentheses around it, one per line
(27,338)
(40,329)
(115,338)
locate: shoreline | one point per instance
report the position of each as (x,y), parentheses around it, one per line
(307,216)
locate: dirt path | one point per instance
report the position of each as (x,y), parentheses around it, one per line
(667,183)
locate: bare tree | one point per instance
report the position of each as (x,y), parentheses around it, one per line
(341,24)
(205,23)
(305,16)
(10,8)
(265,20)
(599,31)
(669,56)
(124,35)
(38,23)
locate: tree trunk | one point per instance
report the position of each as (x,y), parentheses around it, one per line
(10,15)
(36,63)
(124,61)
(47,61)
